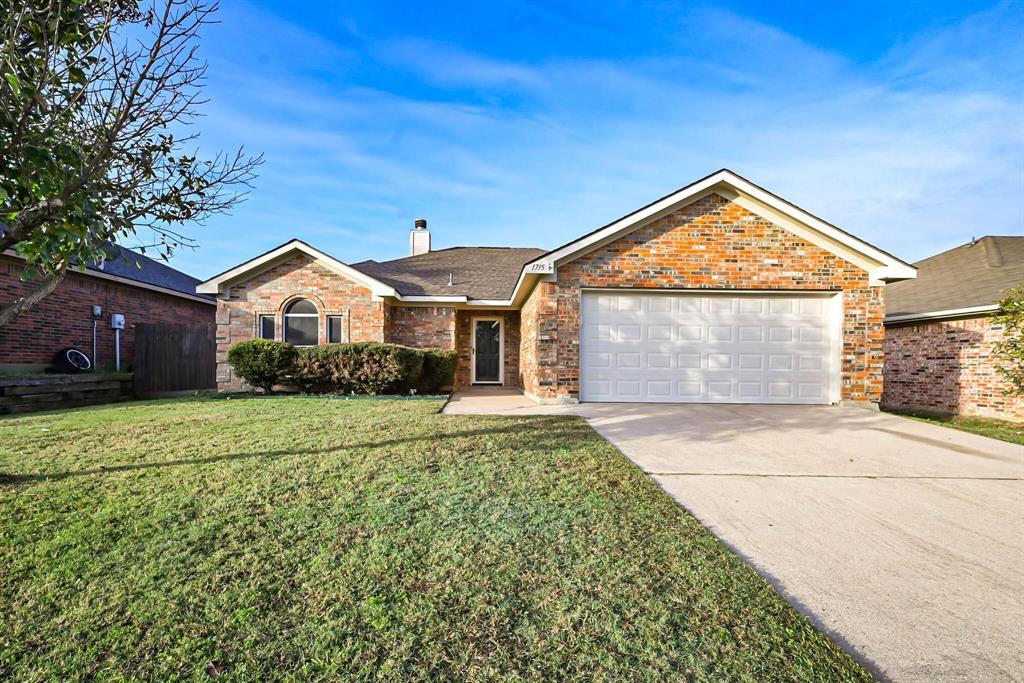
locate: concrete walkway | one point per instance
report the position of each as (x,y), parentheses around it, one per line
(486,400)
(903,540)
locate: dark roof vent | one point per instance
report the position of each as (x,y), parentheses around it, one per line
(992,253)
(420,223)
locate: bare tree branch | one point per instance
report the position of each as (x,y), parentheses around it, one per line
(88,151)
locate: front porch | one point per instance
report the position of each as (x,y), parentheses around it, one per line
(499,400)
(488,345)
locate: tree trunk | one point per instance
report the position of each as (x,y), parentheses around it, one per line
(23,304)
(27,220)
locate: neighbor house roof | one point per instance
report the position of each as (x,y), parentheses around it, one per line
(475,272)
(130,267)
(969,279)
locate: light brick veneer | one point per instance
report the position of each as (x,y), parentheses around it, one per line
(269,292)
(538,354)
(421,326)
(711,243)
(947,367)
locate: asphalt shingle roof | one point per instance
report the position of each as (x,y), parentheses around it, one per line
(974,274)
(122,263)
(477,272)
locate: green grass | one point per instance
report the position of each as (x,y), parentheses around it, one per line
(308,538)
(1003,430)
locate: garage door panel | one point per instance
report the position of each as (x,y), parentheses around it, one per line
(678,347)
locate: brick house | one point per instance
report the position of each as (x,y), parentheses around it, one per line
(127,283)
(718,292)
(939,331)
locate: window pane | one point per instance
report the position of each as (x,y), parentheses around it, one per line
(334,329)
(300,330)
(266,327)
(302,306)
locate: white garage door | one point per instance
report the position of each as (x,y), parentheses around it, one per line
(707,348)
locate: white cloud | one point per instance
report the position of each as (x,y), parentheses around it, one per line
(915,153)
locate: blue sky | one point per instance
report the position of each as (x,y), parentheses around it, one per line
(528,124)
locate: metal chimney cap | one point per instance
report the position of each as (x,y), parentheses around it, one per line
(420,224)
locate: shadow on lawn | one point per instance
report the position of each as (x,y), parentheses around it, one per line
(547,438)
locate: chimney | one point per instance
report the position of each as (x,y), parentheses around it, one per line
(419,238)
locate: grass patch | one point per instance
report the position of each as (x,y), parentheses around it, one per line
(300,538)
(1003,430)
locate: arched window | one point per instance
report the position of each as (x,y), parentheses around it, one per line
(301,323)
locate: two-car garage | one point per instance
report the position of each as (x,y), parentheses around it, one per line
(709,347)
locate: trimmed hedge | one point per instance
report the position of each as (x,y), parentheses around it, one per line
(438,372)
(373,368)
(358,368)
(262,362)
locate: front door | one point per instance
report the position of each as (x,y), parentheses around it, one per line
(487,351)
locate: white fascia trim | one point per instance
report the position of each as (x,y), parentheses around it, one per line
(882,266)
(129,282)
(459,301)
(216,284)
(421,298)
(933,315)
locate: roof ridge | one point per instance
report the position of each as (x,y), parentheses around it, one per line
(974,241)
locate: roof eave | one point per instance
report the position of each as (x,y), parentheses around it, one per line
(947,314)
(881,266)
(219,283)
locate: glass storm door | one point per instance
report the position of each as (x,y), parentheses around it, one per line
(487,344)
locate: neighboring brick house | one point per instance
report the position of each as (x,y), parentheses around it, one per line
(718,292)
(127,283)
(939,332)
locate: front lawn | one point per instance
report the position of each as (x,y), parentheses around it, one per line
(313,538)
(985,426)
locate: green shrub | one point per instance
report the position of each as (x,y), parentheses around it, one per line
(359,368)
(438,372)
(262,362)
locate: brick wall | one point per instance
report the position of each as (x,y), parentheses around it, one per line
(711,243)
(65,317)
(464,343)
(538,353)
(421,326)
(947,367)
(271,291)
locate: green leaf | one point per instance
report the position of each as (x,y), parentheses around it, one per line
(15,84)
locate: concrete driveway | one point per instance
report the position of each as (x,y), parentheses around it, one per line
(903,540)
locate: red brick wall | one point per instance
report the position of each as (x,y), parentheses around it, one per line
(947,367)
(421,326)
(269,292)
(538,357)
(464,343)
(65,317)
(714,243)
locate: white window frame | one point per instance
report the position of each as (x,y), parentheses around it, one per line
(501,349)
(284,322)
(327,327)
(259,325)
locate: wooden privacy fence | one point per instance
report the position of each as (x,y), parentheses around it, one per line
(173,358)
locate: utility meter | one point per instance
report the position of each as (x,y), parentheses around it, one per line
(117,321)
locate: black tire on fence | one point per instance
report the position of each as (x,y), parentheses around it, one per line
(72,360)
